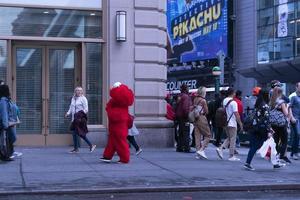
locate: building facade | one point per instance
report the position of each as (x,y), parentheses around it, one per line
(267,42)
(47,48)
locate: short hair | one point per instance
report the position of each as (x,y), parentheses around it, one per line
(230,91)
(4,91)
(238,93)
(184,88)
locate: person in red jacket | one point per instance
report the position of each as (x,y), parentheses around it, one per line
(119,121)
(182,116)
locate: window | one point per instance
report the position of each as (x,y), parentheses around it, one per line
(284,48)
(266,17)
(265,34)
(50,22)
(265,3)
(3,60)
(265,52)
(290,11)
(94,82)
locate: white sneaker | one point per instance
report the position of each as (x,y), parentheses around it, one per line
(138,152)
(233,158)
(220,152)
(18,154)
(202,154)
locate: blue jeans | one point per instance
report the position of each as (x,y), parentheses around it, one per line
(12,134)
(256,142)
(76,139)
(295,137)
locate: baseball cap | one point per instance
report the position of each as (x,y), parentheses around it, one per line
(275,83)
(255,91)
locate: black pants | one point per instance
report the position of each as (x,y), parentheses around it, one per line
(281,139)
(218,134)
(133,142)
(184,135)
(295,138)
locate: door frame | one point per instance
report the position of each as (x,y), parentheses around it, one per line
(44,138)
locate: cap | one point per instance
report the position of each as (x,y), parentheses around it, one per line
(276,84)
(255,91)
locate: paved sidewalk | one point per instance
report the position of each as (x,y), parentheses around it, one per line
(55,170)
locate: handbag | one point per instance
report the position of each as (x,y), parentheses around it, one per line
(195,113)
(277,118)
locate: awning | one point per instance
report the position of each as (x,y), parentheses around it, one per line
(284,71)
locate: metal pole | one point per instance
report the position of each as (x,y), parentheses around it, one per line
(217,84)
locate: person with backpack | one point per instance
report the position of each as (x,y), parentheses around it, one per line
(201,124)
(6,144)
(230,120)
(260,129)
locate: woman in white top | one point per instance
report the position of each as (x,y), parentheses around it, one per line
(78,103)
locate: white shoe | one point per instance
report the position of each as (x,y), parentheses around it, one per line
(220,152)
(18,154)
(138,152)
(233,158)
(202,154)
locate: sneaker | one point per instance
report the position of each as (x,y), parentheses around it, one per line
(197,157)
(295,157)
(277,166)
(285,159)
(220,153)
(105,160)
(233,158)
(12,157)
(74,151)
(92,148)
(139,151)
(248,167)
(202,154)
(17,154)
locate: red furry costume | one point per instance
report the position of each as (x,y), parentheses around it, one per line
(119,121)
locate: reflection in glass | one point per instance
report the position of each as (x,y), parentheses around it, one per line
(3,60)
(265,34)
(61,80)
(29,89)
(284,49)
(94,82)
(265,52)
(266,17)
(50,22)
(265,3)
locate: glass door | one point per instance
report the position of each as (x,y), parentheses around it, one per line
(43,88)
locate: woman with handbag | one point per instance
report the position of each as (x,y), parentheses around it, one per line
(278,119)
(201,124)
(261,127)
(78,110)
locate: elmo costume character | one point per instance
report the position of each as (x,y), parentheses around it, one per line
(119,121)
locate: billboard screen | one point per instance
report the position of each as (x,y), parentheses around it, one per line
(197,29)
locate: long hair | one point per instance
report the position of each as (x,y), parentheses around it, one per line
(276,93)
(4,91)
(263,97)
(202,91)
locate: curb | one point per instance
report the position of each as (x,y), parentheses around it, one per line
(220,188)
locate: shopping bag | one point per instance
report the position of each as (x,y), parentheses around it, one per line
(133,131)
(268,150)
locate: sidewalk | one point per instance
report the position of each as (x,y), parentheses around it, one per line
(48,170)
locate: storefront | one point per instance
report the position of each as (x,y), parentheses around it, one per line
(47,48)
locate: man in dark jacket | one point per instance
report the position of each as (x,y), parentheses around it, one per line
(182,116)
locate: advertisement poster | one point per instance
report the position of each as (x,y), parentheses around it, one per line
(197,29)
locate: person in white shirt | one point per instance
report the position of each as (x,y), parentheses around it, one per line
(78,103)
(233,118)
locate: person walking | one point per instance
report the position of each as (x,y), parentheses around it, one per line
(261,129)
(278,105)
(295,121)
(182,113)
(233,118)
(238,100)
(78,110)
(201,124)
(6,140)
(131,134)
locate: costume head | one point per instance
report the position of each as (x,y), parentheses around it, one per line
(121,95)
